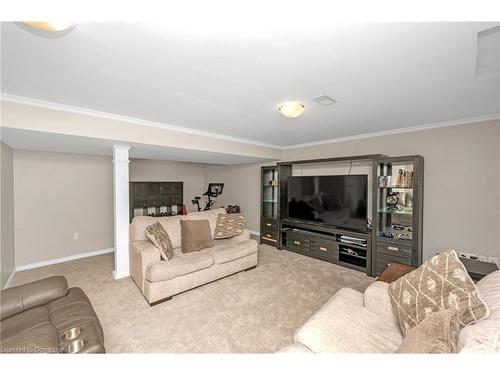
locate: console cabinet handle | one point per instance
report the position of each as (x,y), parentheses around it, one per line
(392,248)
(296,242)
(269,225)
(268,235)
(323,248)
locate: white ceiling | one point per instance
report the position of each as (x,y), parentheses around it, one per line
(383,76)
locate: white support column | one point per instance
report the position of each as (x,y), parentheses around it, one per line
(121,210)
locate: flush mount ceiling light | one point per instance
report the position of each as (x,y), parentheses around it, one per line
(51,26)
(291,109)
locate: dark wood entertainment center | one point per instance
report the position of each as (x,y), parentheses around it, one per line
(375,250)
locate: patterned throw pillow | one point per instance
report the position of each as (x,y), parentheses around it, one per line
(439,284)
(159,237)
(229,225)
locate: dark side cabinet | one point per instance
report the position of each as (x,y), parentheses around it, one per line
(398,189)
(269,206)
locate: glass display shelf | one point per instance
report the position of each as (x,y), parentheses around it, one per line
(400,211)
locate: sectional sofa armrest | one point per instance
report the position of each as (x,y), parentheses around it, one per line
(244,236)
(144,254)
(37,293)
(376,299)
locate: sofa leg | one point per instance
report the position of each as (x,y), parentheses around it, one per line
(251,268)
(160,301)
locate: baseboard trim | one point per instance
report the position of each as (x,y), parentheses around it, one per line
(9,280)
(118,276)
(44,263)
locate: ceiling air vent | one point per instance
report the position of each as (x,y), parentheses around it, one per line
(324,100)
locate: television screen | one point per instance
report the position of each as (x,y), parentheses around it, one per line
(330,200)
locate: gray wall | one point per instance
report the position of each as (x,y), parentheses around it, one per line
(191,174)
(7,243)
(57,195)
(241,186)
(462,179)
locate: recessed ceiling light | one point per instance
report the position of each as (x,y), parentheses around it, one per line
(50,26)
(324,100)
(291,109)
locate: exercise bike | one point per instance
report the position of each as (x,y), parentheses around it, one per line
(214,190)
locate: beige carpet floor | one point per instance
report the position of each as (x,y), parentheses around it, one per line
(250,312)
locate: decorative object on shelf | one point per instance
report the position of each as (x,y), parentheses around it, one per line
(383,181)
(387,234)
(405,178)
(392,199)
(233,209)
(405,236)
(409,203)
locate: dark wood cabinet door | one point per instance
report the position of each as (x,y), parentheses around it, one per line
(139,193)
(153,197)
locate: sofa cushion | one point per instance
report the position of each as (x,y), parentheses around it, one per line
(485,334)
(169,223)
(229,225)
(436,334)
(195,235)
(343,325)
(440,283)
(210,215)
(231,250)
(376,299)
(159,237)
(178,266)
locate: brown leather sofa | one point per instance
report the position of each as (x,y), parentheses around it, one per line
(46,316)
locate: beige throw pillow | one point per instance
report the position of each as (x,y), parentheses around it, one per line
(195,235)
(436,334)
(439,284)
(159,237)
(229,225)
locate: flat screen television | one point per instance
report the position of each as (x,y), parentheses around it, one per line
(339,201)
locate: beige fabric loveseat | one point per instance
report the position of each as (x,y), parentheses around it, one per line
(159,280)
(354,322)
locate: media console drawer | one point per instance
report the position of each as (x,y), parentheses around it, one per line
(402,250)
(299,243)
(325,249)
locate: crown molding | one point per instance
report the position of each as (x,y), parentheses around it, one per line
(136,121)
(408,129)
(131,120)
